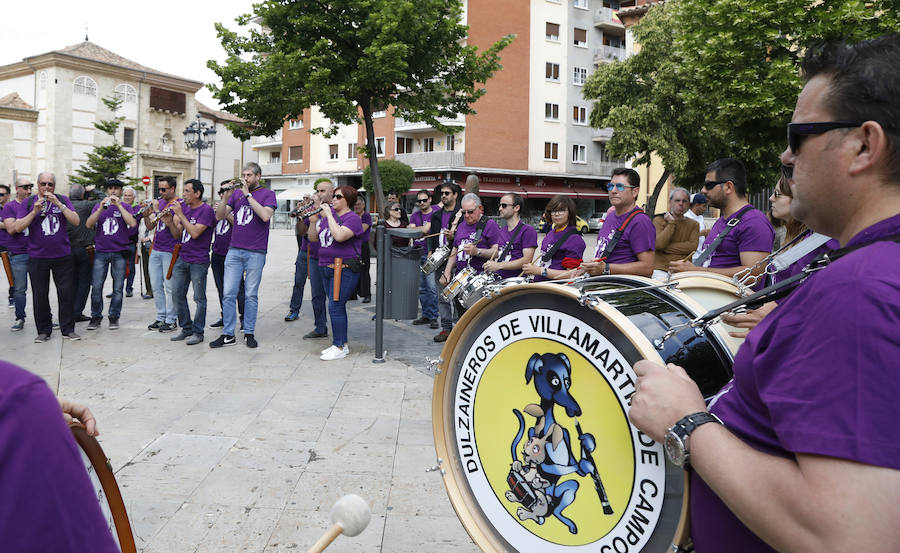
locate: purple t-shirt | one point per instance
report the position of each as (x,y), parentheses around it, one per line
(222,240)
(48,501)
(814,378)
(639,236)
(573,247)
(366,219)
(419,219)
(329,248)
(196,250)
(163,241)
(753,234)
(526,238)
(15,243)
(47,235)
(465,234)
(112,230)
(251,232)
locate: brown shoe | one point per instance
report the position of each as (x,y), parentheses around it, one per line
(442,336)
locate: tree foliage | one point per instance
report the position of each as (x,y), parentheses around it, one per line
(396,177)
(349,58)
(719,78)
(105,162)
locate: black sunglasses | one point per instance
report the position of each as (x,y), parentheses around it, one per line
(339,196)
(468,211)
(710,184)
(425,201)
(445,192)
(504,206)
(797,132)
(26,186)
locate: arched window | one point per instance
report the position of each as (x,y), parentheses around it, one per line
(126,93)
(85,86)
(165,143)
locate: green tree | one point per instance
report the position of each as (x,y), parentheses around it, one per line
(396,178)
(717,78)
(349,58)
(105,162)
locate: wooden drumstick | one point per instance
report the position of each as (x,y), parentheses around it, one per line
(429,236)
(338,266)
(350,515)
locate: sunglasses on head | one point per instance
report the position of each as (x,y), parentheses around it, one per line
(797,132)
(618,186)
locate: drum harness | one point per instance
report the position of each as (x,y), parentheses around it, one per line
(770,293)
(617,235)
(512,239)
(780,260)
(733,222)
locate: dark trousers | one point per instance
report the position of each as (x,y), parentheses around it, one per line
(130,269)
(145,261)
(217,264)
(364,289)
(39,270)
(82,271)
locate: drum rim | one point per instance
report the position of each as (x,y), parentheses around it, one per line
(723,282)
(486,538)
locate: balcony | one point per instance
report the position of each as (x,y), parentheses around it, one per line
(402,125)
(421,160)
(602,135)
(606,54)
(269,169)
(607,20)
(267,142)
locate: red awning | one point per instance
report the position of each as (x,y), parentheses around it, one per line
(548,190)
(591,193)
(497,190)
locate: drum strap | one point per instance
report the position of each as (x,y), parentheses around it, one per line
(733,222)
(512,240)
(479,229)
(556,246)
(614,241)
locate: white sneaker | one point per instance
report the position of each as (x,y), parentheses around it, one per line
(335,353)
(329,348)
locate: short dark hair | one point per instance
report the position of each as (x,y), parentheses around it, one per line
(420,192)
(349,193)
(253,167)
(729,168)
(633,178)
(113,182)
(517,200)
(76,191)
(168,179)
(451,185)
(864,85)
(558,203)
(196,185)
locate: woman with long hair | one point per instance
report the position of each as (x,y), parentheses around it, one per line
(338,232)
(561,259)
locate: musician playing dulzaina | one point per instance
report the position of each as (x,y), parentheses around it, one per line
(164,240)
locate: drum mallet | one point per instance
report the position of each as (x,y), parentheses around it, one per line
(350,516)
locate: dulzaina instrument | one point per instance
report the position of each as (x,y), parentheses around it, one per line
(530,413)
(306,208)
(233,185)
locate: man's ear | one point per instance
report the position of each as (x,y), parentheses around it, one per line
(871,148)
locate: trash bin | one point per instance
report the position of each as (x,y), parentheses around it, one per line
(402,277)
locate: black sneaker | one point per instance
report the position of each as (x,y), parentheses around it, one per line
(154,325)
(181,335)
(422,321)
(95,323)
(218,324)
(79,318)
(113,323)
(166,327)
(129,293)
(223,340)
(250,341)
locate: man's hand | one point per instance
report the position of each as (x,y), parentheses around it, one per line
(669,217)
(593,267)
(176,208)
(681,266)
(663,396)
(470,249)
(491,266)
(747,320)
(80,413)
(532,269)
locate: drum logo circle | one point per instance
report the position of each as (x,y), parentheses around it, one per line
(541,429)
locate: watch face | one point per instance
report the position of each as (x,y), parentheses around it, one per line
(674,448)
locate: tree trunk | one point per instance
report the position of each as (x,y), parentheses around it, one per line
(651,201)
(366,105)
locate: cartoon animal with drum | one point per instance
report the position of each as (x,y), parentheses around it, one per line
(547,455)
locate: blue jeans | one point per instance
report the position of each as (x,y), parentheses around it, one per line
(318,293)
(217,264)
(162,295)
(249,264)
(338,309)
(194,274)
(428,297)
(129,262)
(115,263)
(19,263)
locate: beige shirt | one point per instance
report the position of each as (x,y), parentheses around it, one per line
(674,241)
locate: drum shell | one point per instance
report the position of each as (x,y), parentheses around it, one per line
(456,286)
(436,259)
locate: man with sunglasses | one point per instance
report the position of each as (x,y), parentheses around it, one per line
(806,457)
(428,297)
(517,240)
(633,254)
(17,246)
(444,221)
(751,235)
(164,239)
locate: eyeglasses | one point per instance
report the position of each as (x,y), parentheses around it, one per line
(425,201)
(338,196)
(50,183)
(446,192)
(560,212)
(26,186)
(504,206)
(618,186)
(710,184)
(161,189)
(395,209)
(2,194)
(468,211)
(797,132)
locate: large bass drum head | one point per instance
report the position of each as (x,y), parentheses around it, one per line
(520,374)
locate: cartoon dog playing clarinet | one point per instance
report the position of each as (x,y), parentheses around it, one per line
(547,454)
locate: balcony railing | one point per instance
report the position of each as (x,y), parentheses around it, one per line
(607,18)
(605,168)
(418,160)
(269,169)
(602,135)
(267,142)
(608,53)
(412,126)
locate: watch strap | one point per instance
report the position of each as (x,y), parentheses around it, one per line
(690,423)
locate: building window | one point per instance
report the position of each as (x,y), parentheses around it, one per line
(42,80)
(428,144)
(275,157)
(552,32)
(579,153)
(379,146)
(579,76)
(551,112)
(295,124)
(295,154)
(583,4)
(126,93)
(580,37)
(579,115)
(552,72)
(85,86)
(167,100)
(551,150)
(351,150)
(451,142)
(404,145)
(128,138)
(332,152)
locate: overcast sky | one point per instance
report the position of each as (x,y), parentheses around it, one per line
(172,36)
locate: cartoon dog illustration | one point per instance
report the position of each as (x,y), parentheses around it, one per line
(552,376)
(528,486)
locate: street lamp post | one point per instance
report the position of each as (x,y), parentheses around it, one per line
(199,136)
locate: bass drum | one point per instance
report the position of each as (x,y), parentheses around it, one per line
(106,489)
(711,291)
(530,416)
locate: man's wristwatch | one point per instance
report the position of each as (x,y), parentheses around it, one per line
(677,442)
(606,268)
(544,272)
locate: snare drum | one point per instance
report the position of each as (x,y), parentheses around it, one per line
(475,288)
(566,353)
(436,259)
(455,286)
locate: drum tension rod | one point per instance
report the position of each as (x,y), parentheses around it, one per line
(432,366)
(437,468)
